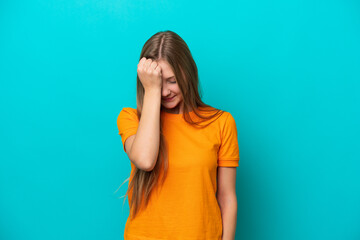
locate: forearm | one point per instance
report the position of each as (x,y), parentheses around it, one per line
(146,142)
(228,207)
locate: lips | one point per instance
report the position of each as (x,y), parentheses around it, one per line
(168,99)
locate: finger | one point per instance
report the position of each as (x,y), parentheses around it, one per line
(153,65)
(142,60)
(147,63)
(140,65)
(158,69)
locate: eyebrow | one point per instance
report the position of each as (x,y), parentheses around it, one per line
(170,77)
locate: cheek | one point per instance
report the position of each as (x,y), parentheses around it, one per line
(176,89)
(180,94)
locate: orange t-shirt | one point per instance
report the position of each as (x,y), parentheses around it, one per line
(186,207)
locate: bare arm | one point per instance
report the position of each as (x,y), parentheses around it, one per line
(145,146)
(226,196)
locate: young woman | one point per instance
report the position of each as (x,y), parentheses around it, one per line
(183,152)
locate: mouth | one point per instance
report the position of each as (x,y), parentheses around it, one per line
(168,99)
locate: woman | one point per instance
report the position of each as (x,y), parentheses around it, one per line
(183,152)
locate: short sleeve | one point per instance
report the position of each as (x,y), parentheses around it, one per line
(228,155)
(127,123)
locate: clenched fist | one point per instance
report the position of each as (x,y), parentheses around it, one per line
(149,73)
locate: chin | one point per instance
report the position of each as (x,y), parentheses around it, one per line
(170,105)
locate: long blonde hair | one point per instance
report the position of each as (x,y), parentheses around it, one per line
(168,46)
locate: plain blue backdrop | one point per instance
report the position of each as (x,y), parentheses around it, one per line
(288,71)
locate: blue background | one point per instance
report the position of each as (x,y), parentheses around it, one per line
(288,71)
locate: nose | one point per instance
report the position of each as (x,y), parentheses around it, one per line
(165,92)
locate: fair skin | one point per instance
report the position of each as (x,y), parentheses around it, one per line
(226,196)
(170,89)
(143,147)
(159,82)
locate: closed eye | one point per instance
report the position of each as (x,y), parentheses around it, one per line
(171,78)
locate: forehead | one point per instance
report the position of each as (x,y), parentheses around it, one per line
(166,70)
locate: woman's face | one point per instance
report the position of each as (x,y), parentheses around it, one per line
(170,89)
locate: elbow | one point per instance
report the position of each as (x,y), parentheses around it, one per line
(145,167)
(149,166)
(148,169)
(143,163)
(147,163)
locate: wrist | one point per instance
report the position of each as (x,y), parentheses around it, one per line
(153,91)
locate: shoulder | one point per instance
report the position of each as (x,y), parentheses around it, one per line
(216,118)
(127,112)
(223,116)
(226,121)
(228,117)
